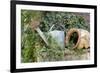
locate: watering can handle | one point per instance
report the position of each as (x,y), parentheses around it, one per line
(53,26)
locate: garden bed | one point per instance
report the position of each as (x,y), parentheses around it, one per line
(33,48)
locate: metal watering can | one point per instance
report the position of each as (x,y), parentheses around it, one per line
(57,35)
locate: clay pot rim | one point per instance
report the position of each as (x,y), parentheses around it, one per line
(69,33)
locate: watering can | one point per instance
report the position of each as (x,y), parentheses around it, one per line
(57,35)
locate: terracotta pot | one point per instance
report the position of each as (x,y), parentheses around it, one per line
(82,40)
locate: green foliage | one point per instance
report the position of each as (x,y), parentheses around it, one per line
(69,20)
(33,48)
(28,37)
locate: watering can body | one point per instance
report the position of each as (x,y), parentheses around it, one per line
(58,37)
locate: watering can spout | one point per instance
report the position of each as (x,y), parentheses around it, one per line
(42,35)
(35,26)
